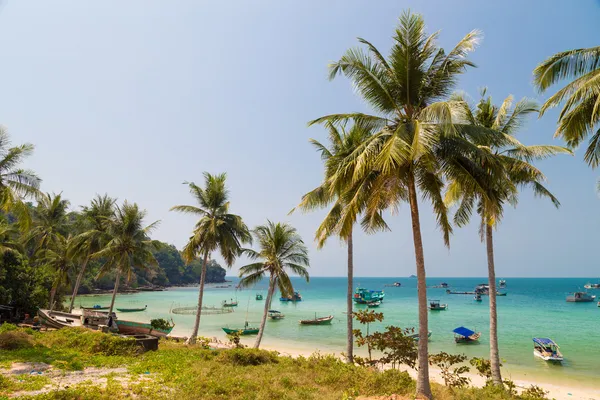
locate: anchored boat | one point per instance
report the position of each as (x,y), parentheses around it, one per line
(580,297)
(434,305)
(230,304)
(465,335)
(246,330)
(259,296)
(317,321)
(295,297)
(415,336)
(132,309)
(592,286)
(374,304)
(365,296)
(276,315)
(546,349)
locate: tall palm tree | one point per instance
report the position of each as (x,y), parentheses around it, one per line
(16,183)
(414,144)
(129,245)
(95,217)
(50,222)
(281,249)
(216,229)
(58,258)
(580,114)
(337,188)
(508,163)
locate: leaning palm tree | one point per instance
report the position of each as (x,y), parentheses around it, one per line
(508,163)
(337,188)
(580,114)
(59,259)
(414,146)
(216,229)
(95,218)
(16,183)
(50,222)
(129,245)
(281,250)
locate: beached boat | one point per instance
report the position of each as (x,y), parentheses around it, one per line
(592,286)
(465,335)
(132,309)
(247,330)
(276,315)
(434,305)
(546,349)
(374,304)
(259,296)
(365,296)
(317,321)
(141,328)
(88,319)
(415,336)
(230,304)
(580,297)
(295,297)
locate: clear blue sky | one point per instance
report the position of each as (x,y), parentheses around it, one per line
(134,97)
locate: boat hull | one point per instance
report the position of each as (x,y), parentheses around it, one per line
(253,331)
(317,321)
(131,309)
(548,358)
(58,320)
(140,328)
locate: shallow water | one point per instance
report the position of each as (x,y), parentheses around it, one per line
(533,307)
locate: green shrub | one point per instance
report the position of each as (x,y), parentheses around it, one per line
(6,327)
(244,357)
(13,340)
(533,393)
(90,342)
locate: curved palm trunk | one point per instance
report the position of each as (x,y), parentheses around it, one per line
(350,337)
(266,311)
(423,387)
(115,290)
(52,295)
(192,338)
(494,354)
(78,282)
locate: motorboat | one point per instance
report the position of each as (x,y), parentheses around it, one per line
(465,335)
(434,305)
(580,297)
(546,349)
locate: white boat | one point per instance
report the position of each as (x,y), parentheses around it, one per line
(592,286)
(546,349)
(580,297)
(502,283)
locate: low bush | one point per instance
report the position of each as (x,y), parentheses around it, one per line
(244,357)
(14,339)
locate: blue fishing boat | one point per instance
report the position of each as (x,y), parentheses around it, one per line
(465,335)
(366,296)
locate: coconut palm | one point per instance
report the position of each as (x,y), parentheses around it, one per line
(580,114)
(216,229)
(129,245)
(95,219)
(9,239)
(510,170)
(16,183)
(337,188)
(50,222)
(59,259)
(414,144)
(281,249)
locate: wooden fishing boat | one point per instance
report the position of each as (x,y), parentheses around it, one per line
(58,320)
(365,296)
(415,336)
(465,335)
(317,321)
(230,304)
(434,305)
(95,307)
(546,349)
(374,304)
(132,309)
(141,328)
(241,331)
(276,315)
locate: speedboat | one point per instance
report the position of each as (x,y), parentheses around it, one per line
(592,286)
(546,349)
(580,297)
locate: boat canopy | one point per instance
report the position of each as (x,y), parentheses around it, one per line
(461,330)
(544,341)
(275,311)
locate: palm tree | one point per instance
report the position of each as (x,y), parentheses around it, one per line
(414,145)
(129,245)
(216,229)
(508,163)
(58,258)
(95,221)
(50,222)
(16,183)
(281,249)
(338,189)
(580,114)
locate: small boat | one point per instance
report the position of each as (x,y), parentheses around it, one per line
(501,283)
(276,315)
(592,286)
(95,307)
(58,320)
(395,284)
(546,349)
(412,277)
(374,304)
(141,328)
(317,321)
(415,336)
(442,285)
(477,297)
(365,296)
(295,297)
(465,335)
(230,304)
(580,297)
(132,309)
(259,296)
(434,305)
(246,330)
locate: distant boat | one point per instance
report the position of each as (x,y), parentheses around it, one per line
(365,296)
(95,307)
(442,285)
(230,304)
(477,297)
(412,277)
(242,331)
(434,305)
(374,304)
(132,309)
(317,321)
(546,349)
(465,335)
(276,315)
(141,328)
(415,336)
(395,284)
(501,283)
(295,297)
(259,296)
(592,286)
(580,297)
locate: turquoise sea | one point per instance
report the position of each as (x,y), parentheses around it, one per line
(533,307)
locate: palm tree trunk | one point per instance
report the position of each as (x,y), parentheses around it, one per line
(349,316)
(192,339)
(266,311)
(115,290)
(494,355)
(52,295)
(77,283)
(423,387)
